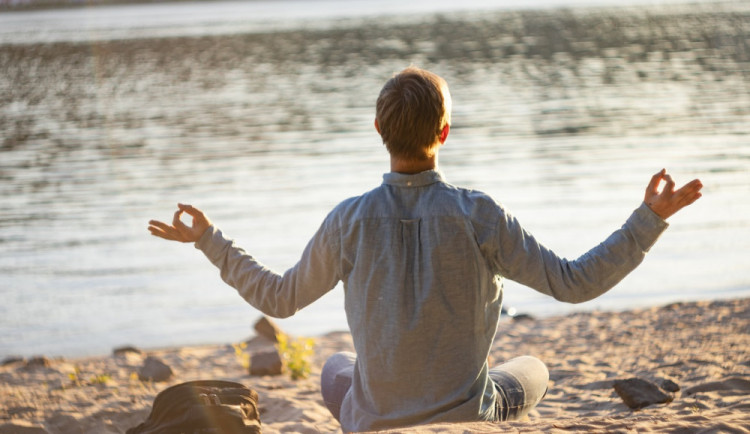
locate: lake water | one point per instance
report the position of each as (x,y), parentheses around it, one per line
(562,116)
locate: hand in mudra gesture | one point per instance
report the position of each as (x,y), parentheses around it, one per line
(668,201)
(179,231)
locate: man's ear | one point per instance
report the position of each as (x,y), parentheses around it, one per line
(443,133)
(377,126)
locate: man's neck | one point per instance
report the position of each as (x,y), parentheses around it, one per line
(411,167)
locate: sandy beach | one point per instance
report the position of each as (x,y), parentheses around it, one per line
(703,348)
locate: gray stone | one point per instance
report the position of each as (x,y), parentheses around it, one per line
(265,363)
(638,393)
(267,328)
(11,360)
(63,422)
(153,369)
(38,362)
(119,351)
(669,385)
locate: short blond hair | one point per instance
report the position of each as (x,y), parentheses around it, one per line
(411,113)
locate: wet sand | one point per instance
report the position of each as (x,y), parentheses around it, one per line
(703,348)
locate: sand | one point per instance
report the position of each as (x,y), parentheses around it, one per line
(703,347)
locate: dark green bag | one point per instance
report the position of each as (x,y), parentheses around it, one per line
(203,407)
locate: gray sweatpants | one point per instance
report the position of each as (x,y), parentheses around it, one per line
(520,383)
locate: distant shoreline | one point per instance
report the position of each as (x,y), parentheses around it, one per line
(93,20)
(633,33)
(36,5)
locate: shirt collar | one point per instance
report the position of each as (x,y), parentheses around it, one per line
(416,180)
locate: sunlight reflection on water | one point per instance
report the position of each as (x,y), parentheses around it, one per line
(268,132)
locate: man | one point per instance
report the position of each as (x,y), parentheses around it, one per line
(422,263)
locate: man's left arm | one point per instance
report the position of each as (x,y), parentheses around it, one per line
(523,259)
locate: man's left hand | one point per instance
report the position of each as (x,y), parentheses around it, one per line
(668,201)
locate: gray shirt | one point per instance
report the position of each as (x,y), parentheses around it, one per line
(422,263)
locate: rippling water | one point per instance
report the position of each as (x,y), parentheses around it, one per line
(563,116)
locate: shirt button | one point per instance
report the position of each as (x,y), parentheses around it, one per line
(408,184)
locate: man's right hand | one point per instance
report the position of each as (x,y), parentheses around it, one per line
(179,231)
(668,201)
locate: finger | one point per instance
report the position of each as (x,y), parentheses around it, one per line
(653,186)
(177,223)
(176,217)
(690,188)
(158,224)
(191,210)
(687,200)
(669,186)
(690,194)
(693,198)
(697,196)
(169,234)
(163,227)
(157,232)
(695,184)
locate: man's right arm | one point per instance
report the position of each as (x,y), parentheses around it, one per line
(277,295)
(274,294)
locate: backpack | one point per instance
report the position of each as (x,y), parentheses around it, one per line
(203,407)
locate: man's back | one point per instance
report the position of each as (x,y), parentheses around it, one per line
(422,263)
(422,301)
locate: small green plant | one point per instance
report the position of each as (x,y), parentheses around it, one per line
(296,355)
(75,376)
(100,379)
(242,356)
(77,380)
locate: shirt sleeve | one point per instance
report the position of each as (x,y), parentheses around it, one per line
(520,257)
(276,295)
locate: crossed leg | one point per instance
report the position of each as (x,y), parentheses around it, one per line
(520,383)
